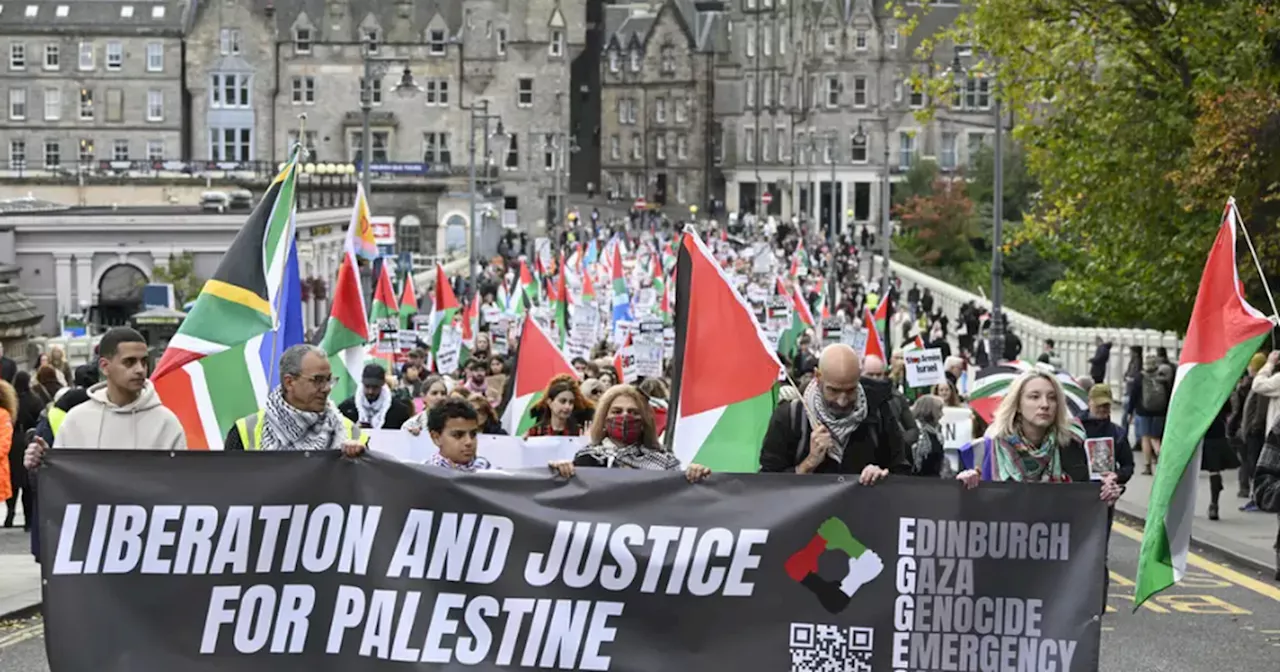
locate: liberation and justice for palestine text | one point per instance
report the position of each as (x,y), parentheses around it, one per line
(460,548)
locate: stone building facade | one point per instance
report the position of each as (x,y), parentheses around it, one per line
(86,82)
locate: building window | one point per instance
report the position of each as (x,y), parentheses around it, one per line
(525,92)
(681,182)
(438,42)
(637,147)
(906,149)
(120,150)
(917,97)
(750,101)
(155,150)
(891,38)
(155,106)
(860,40)
(17,56)
(631,110)
(549,151)
(780,137)
(948,158)
(765,154)
(766,41)
(87,152)
(115,55)
(375,91)
(86,104)
(126,12)
(229,42)
(86,55)
(231,144)
(17,104)
(682,146)
(372,40)
(660,147)
(155,57)
(828,40)
(301,40)
(229,90)
(52,57)
(437,92)
(435,149)
(52,154)
(52,104)
(634,57)
(500,37)
(381,141)
(977,93)
(751,42)
(660,110)
(668,55)
(833,90)
(615,61)
(897,91)
(859,91)
(556,47)
(857,150)
(308,151)
(682,110)
(749,144)
(782,38)
(784,93)
(766,92)
(512,161)
(304,90)
(720,145)
(615,147)
(157,12)
(17,154)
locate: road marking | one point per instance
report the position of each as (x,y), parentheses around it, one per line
(1225,573)
(22,635)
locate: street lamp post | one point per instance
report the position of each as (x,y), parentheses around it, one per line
(960,79)
(832,225)
(479,112)
(407,88)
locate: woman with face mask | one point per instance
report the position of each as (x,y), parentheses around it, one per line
(562,410)
(623,436)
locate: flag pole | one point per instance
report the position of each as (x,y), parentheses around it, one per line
(1231,203)
(275,332)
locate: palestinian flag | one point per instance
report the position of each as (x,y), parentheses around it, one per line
(724,369)
(384,311)
(347,332)
(470,327)
(799,263)
(991,383)
(444,310)
(916,343)
(875,347)
(538,360)
(882,320)
(863,565)
(560,307)
(408,301)
(822,310)
(621,295)
(620,361)
(660,286)
(524,287)
(223,361)
(801,319)
(1225,331)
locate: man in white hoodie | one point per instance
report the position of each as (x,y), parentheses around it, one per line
(123,412)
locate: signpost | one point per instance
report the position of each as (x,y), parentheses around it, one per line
(640,204)
(767,198)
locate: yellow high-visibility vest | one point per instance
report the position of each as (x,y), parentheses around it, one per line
(250,429)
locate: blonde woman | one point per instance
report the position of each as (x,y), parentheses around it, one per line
(624,436)
(1030,440)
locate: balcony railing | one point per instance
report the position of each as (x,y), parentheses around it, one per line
(213,170)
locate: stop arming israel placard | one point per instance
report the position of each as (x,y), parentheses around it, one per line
(924,367)
(312,562)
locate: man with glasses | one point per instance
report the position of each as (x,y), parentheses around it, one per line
(298,414)
(842,424)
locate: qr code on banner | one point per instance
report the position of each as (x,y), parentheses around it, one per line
(830,648)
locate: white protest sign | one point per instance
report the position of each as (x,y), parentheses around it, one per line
(498,330)
(669,342)
(855,337)
(648,342)
(924,367)
(757,294)
(957,431)
(450,350)
(503,452)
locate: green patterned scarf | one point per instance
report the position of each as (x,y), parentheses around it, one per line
(1017,460)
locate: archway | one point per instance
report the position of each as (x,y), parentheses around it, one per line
(455,234)
(120,294)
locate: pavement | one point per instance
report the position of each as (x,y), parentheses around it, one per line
(1248,538)
(19,574)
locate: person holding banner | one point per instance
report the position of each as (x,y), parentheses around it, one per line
(453,424)
(562,410)
(841,425)
(299,414)
(623,436)
(1030,441)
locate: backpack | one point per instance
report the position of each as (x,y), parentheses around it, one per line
(1155,393)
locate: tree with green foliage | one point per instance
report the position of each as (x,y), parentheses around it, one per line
(1157,112)
(180,271)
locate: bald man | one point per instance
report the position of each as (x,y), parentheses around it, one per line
(873,368)
(843,424)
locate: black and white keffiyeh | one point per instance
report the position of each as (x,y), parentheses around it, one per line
(287,428)
(374,413)
(612,456)
(841,426)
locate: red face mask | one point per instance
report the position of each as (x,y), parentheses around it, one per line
(625,430)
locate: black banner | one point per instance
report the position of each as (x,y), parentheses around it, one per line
(311,562)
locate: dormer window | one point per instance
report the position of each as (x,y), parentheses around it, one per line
(556,47)
(372,40)
(126,12)
(615,60)
(301,40)
(634,58)
(62,11)
(437,41)
(157,12)
(668,58)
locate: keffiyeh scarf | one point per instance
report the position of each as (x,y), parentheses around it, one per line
(476,464)
(612,456)
(374,413)
(1017,460)
(841,426)
(287,428)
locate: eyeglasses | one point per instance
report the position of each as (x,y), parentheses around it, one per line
(319,380)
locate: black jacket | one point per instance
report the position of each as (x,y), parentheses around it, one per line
(8,369)
(1098,363)
(878,440)
(397,415)
(1102,428)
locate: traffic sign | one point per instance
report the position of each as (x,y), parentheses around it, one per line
(767,198)
(639,204)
